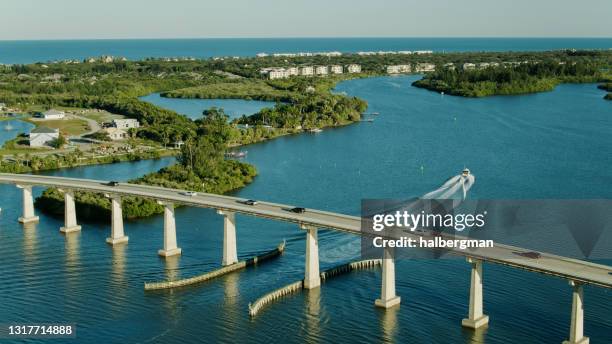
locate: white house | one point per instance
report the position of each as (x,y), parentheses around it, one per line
(307,71)
(354,68)
(336,69)
(53,114)
(115,133)
(42,136)
(321,70)
(468,66)
(126,123)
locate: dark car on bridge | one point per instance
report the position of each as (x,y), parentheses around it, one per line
(298,210)
(112,183)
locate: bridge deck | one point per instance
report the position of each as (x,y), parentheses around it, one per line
(573,269)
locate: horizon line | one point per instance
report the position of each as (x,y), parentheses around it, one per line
(302,37)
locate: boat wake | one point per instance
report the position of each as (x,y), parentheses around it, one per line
(455,187)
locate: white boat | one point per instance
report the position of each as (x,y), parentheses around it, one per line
(315,130)
(238,155)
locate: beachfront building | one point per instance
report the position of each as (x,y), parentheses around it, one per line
(53,114)
(468,66)
(115,134)
(307,71)
(42,136)
(336,69)
(354,68)
(397,69)
(321,70)
(425,67)
(126,123)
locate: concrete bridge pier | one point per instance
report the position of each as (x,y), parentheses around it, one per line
(117,235)
(70,220)
(230,252)
(388,298)
(476,317)
(170,248)
(577,325)
(312,276)
(28,205)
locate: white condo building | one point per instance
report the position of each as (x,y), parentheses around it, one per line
(425,67)
(336,69)
(307,71)
(354,68)
(321,70)
(397,69)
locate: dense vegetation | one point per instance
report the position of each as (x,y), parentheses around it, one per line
(248,89)
(302,103)
(202,167)
(24,163)
(504,80)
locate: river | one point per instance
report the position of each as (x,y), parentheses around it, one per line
(547,145)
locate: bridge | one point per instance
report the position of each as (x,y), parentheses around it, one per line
(577,272)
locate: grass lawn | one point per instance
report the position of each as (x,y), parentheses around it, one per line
(66,126)
(100,116)
(244,89)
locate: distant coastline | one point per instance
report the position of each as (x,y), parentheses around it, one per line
(32,51)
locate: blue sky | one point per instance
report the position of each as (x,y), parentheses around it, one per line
(70,19)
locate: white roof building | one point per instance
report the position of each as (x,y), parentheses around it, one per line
(53,114)
(126,123)
(42,136)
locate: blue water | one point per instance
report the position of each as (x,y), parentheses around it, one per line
(553,145)
(41,51)
(9,129)
(193,108)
